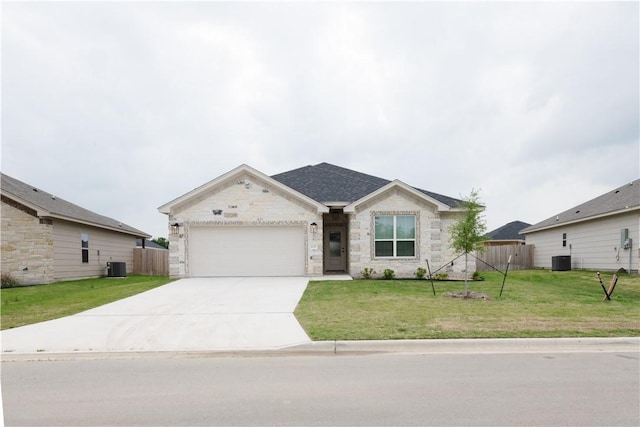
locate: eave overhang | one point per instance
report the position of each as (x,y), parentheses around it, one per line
(44,213)
(351,208)
(169,207)
(535,228)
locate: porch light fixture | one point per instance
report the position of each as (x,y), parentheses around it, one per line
(175,228)
(314,227)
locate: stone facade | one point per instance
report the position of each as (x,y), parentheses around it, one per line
(27,245)
(432,237)
(244,200)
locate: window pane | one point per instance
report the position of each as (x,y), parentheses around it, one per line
(85,255)
(85,240)
(406,227)
(335,245)
(384,249)
(406,249)
(384,227)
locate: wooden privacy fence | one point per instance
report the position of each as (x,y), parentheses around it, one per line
(497,256)
(150,262)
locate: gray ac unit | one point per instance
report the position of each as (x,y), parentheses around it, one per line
(561,263)
(116,269)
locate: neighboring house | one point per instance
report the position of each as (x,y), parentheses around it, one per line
(309,221)
(508,234)
(505,245)
(601,234)
(150,244)
(46,239)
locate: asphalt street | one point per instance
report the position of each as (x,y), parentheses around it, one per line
(551,389)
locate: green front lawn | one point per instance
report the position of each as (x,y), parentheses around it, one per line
(535,303)
(32,304)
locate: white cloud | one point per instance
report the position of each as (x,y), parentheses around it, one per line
(535,103)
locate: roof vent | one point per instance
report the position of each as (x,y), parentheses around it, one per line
(35,189)
(578,211)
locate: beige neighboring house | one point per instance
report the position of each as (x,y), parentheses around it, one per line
(310,221)
(600,234)
(46,239)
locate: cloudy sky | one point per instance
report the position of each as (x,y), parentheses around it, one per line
(121,107)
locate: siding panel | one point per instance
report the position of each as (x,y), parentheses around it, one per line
(104,246)
(592,245)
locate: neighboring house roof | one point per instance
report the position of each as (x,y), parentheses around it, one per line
(621,200)
(150,244)
(47,205)
(328,183)
(510,231)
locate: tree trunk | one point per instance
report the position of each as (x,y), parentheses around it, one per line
(466,286)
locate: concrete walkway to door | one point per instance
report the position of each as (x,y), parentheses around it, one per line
(233,313)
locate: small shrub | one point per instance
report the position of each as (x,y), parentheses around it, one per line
(441,276)
(367,273)
(8,281)
(476,276)
(388,274)
(420,273)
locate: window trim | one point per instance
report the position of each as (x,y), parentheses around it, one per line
(394,239)
(84,250)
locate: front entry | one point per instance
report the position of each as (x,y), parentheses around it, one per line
(335,253)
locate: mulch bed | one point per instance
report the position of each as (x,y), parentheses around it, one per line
(467,295)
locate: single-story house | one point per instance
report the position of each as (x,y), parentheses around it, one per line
(149,244)
(600,234)
(310,221)
(505,245)
(46,239)
(508,234)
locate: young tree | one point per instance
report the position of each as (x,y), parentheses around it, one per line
(467,233)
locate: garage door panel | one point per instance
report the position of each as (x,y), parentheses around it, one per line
(246,251)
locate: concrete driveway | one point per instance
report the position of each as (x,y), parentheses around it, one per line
(247,313)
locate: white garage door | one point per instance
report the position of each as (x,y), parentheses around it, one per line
(246,251)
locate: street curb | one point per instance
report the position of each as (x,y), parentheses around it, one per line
(330,348)
(456,346)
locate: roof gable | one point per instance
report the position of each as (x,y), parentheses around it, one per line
(233,175)
(326,183)
(400,185)
(623,199)
(48,205)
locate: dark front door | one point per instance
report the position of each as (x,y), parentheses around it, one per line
(335,250)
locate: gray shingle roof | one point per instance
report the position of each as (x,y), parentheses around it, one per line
(56,207)
(510,231)
(149,244)
(325,182)
(624,198)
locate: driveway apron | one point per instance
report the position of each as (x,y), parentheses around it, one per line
(232,313)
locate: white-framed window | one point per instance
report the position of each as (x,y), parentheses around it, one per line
(394,236)
(84,239)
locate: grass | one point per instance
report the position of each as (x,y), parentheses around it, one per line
(26,305)
(535,303)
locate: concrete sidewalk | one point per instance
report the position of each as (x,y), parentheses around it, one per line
(343,348)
